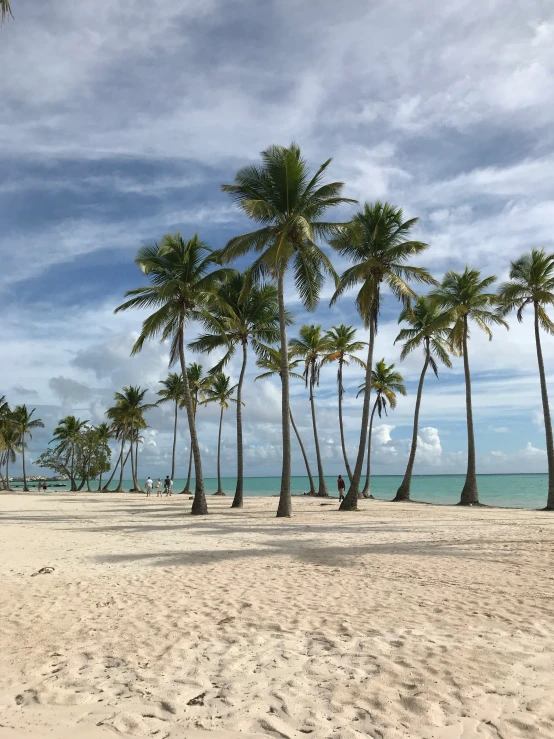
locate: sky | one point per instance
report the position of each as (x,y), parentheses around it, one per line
(121,120)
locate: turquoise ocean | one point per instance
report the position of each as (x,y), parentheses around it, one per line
(520,491)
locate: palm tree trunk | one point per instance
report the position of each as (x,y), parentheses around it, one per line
(546,414)
(199,504)
(187,486)
(350,502)
(366,492)
(311,479)
(137,484)
(322,490)
(99,484)
(346,462)
(285,500)
(120,486)
(470,494)
(219,488)
(239,490)
(403,492)
(174,441)
(8,474)
(2,481)
(25,488)
(133,476)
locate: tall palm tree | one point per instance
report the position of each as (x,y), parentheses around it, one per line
(173,390)
(532,283)
(5,10)
(180,285)
(376,242)
(132,409)
(269,359)
(5,415)
(311,345)
(119,422)
(26,424)
(104,433)
(198,384)
(287,203)
(464,297)
(67,435)
(11,442)
(240,318)
(342,345)
(430,329)
(220,391)
(386,382)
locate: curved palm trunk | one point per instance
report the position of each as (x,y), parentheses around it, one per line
(546,414)
(25,487)
(120,486)
(285,500)
(311,479)
(137,484)
(189,474)
(366,492)
(322,489)
(219,488)
(350,502)
(174,442)
(133,475)
(346,462)
(239,490)
(403,492)
(199,504)
(470,494)
(8,474)
(99,484)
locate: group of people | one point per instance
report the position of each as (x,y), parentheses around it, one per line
(167,486)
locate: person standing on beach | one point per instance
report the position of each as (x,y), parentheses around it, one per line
(341,486)
(159,488)
(167,485)
(149,486)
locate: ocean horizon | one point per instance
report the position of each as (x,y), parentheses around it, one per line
(516,490)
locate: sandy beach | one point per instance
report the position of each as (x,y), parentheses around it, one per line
(396,621)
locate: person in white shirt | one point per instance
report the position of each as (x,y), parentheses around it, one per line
(149,486)
(159,488)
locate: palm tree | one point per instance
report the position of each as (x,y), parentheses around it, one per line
(532,283)
(287,203)
(180,286)
(198,384)
(429,329)
(173,390)
(25,424)
(11,442)
(464,299)
(342,345)
(312,346)
(386,382)
(221,392)
(132,409)
(269,359)
(104,433)
(67,434)
(118,417)
(5,415)
(375,241)
(237,321)
(5,10)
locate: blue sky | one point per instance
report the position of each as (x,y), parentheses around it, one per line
(120,121)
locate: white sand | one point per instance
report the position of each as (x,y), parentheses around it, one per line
(397,621)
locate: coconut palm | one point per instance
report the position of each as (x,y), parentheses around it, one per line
(119,423)
(198,384)
(5,415)
(220,391)
(311,345)
(5,10)
(430,329)
(269,359)
(288,204)
(11,442)
(173,390)
(180,285)
(67,436)
(104,433)
(132,409)
(464,298)
(532,283)
(376,242)
(26,424)
(240,318)
(342,345)
(386,382)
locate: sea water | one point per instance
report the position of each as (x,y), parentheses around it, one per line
(519,491)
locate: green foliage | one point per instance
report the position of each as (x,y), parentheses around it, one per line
(312,346)
(219,390)
(429,328)
(387,382)
(531,283)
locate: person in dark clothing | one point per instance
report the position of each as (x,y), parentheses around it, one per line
(342,487)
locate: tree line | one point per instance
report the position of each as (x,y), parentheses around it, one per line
(189,283)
